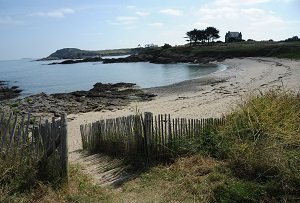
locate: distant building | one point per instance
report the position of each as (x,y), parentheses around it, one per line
(233,36)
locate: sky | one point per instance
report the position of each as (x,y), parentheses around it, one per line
(36,28)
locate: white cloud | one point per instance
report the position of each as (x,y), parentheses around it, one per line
(125,20)
(140,13)
(254,13)
(239,2)
(207,13)
(131,7)
(253,22)
(157,24)
(286,1)
(172,12)
(7,20)
(59,13)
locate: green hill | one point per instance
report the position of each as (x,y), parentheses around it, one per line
(74,53)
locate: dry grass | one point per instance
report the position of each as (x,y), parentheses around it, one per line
(188,179)
(264,135)
(79,189)
(18,171)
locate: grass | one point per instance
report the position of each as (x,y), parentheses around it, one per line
(79,189)
(186,180)
(17,174)
(254,157)
(264,139)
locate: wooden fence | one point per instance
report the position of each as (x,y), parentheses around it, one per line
(150,137)
(29,136)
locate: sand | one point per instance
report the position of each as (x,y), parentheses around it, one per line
(211,96)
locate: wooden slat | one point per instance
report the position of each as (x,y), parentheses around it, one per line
(148,136)
(12,133)
(5,131)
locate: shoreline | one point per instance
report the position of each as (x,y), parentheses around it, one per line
(211,96)
(26,92)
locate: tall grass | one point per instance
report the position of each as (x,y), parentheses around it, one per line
(264,139)
(18,172)
(22,170)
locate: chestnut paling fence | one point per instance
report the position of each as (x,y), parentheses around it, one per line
(147,136)
(27,135)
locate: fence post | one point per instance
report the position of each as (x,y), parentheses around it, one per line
(64,147)
(147,129)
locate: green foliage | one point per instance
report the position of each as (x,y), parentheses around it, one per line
(209,143)
(237,49)
(233,191)
(14,104)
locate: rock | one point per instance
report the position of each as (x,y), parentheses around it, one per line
(8,92)
(100,97)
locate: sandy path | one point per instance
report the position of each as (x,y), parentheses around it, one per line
(210,96)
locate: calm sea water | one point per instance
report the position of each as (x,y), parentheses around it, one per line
(36,77)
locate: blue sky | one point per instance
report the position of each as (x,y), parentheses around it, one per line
(36,28)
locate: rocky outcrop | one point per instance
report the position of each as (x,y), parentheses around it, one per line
(95,59)
(100,97)
(8,92)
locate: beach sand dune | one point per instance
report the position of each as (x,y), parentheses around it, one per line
(211,96)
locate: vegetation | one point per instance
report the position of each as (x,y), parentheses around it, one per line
(17,174)
(254,157)
(260,144)
(73,53)
(79,189)
(195,36)
(264,139)
(230,50)
(293,39)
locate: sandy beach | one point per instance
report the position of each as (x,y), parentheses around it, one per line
(211,96)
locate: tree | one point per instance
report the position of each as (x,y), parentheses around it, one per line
(192,37)
(293,39)
(212,33)
(166,46)
(195,36)
(202,36)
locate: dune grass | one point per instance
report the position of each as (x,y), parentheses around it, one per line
(264,138)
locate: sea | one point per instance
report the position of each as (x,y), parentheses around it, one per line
(37,76)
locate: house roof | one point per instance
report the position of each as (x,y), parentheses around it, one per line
(233,34)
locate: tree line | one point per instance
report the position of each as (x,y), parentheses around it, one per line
(195,36)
